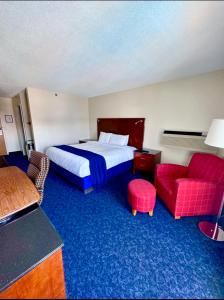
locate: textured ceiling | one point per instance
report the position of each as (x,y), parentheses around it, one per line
(92,48)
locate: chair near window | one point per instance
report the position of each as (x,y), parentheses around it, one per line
(37,170)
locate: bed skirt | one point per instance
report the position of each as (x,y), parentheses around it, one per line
(85,183)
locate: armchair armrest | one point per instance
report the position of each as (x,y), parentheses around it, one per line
(197,196)
(195,182)
(172,171)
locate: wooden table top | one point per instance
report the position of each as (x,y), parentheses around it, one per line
(17,191)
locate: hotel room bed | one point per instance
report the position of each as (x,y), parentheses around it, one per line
(77,168)
(117,158)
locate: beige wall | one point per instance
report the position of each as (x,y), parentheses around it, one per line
(186,104)
(61,119)
(10,132)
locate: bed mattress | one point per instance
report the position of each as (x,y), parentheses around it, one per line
(79,166)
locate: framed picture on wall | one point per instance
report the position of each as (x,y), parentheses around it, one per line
(8,119)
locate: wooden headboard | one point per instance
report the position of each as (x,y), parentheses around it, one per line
(132,126)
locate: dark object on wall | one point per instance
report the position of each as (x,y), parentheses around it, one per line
(134,127)
(8,119)
(190,133)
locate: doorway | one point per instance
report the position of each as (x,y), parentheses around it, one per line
(19,122)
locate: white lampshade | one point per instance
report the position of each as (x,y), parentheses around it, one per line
(215,136)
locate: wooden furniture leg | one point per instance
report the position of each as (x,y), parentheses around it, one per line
(134,212)
(151,213)
(177,217)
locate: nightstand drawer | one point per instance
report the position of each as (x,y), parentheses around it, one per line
(143,155)
(144,162)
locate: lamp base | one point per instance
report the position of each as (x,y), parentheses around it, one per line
(212,230)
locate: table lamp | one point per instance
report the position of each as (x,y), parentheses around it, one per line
(215,138)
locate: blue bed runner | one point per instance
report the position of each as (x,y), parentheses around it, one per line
(97,164)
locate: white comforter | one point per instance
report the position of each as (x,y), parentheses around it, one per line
(79,166)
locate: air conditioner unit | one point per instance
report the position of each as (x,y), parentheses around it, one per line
(190,140)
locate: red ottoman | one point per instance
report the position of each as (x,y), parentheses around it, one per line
(141,196)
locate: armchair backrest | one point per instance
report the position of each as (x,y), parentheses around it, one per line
(206,166)
(38,169)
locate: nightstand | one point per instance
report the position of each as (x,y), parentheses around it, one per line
(86,140)
(145,160)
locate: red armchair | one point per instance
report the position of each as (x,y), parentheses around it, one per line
(193,190)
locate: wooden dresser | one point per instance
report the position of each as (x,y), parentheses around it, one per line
(31,258)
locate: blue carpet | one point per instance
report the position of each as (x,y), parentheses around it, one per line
(108,253)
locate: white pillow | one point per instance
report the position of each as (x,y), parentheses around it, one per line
(104,137)
(118,139)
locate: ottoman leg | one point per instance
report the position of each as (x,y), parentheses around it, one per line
(134,212)
(151,213)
